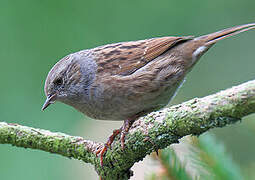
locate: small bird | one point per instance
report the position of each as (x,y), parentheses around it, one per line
(126,80)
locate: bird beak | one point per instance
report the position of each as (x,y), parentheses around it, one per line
(50,100)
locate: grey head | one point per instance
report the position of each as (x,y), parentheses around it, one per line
(69,79)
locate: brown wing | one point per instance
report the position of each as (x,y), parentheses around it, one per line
(126,57)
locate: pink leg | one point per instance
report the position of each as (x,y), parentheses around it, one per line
(107,145)
(123,130)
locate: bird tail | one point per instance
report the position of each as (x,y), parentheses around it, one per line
(212,38)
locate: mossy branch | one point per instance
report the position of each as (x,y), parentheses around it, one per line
(157,130)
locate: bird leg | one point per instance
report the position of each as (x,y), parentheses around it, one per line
(107,144)
(123,131)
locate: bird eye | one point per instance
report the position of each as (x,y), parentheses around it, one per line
(58,81)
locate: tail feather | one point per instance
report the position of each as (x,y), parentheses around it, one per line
(200,45)
(214,37)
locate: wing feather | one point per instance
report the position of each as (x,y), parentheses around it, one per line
(127,57)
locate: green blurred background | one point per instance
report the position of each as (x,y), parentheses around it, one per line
(35,34)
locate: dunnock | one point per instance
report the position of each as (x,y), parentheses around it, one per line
(126,80)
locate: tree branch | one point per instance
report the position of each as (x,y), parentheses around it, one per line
(157,130)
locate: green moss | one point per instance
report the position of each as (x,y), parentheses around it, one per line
(193,117)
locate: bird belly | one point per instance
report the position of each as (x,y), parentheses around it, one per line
(123,107)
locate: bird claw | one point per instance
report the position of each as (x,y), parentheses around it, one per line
(107,145)
(122,140)
(123,131)
(101,152)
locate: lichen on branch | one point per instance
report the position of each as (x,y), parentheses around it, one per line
(157,130)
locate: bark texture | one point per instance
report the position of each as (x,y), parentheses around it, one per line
(157,130)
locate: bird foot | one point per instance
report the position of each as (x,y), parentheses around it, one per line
(123,131)
(108,144)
